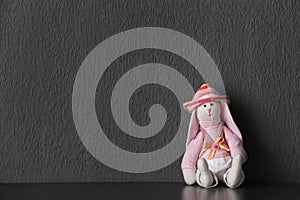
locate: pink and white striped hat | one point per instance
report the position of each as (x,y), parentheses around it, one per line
(204,94)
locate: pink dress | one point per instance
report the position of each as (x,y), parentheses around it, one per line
(213,129)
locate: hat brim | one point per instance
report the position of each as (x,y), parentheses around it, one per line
(191,105)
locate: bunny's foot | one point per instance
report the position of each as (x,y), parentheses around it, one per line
(204,177)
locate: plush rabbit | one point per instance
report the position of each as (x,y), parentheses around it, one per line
(214,152)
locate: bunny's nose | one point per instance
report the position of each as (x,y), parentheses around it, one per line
(209,111)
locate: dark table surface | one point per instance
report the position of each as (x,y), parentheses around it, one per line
(142,191)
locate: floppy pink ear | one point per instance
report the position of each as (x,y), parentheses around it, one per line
(226,115)
(193,127)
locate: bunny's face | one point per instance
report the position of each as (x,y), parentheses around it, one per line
(209,111)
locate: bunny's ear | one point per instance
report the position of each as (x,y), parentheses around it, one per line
(226,115)
(193,127)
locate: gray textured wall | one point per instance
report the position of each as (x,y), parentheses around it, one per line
(43,43)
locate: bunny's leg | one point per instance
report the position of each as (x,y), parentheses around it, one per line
(234,176)
(204,176)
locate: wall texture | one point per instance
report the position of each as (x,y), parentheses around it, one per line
(43,43)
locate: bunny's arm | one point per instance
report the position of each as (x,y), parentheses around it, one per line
(192,152)
(235,144)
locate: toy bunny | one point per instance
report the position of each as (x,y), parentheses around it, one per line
(214,152)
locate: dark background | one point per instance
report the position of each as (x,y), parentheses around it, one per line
(43,43)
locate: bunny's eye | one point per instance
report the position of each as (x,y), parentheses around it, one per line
(211,104)
(204,105)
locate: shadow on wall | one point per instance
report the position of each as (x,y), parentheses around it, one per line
(260,167)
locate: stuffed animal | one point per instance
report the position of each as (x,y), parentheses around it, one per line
(214,152)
